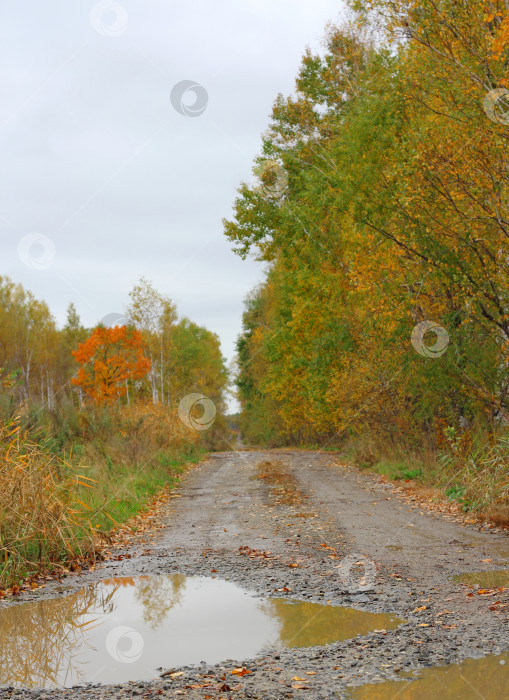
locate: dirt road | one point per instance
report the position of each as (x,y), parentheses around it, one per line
(299,525)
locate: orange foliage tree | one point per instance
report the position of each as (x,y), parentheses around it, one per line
(109,359)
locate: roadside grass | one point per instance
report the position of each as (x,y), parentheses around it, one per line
(41,518)
(61,498)
(397,470)
(471,471)
(121,490)
(318,448)
(475,474)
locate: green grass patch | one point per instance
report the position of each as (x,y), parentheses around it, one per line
(119,490)
(395,470)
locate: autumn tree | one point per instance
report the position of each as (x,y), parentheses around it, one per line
(109,360)
(394,212)
(28,342)
(153,314)
(196,363)
(70,336)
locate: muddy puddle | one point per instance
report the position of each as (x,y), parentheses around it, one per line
(485,579)
(473,679)
(126,628)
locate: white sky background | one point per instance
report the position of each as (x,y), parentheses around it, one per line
(94,157)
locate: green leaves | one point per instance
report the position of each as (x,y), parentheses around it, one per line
(393,215)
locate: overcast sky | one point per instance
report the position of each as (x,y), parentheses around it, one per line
(103,180)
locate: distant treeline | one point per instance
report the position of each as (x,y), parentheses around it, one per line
(148,355)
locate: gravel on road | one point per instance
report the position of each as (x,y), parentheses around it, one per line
(334,535)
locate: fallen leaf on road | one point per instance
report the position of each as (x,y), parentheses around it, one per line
(172,674)
(240,671)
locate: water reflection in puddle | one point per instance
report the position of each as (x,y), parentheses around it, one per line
(125,628)
(485,579)
(486,678)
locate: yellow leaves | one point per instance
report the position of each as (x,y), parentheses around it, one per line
(402,229)
(300,685)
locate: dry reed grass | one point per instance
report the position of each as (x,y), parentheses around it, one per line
(41,519)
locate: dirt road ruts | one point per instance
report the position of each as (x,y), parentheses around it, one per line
(315,516)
